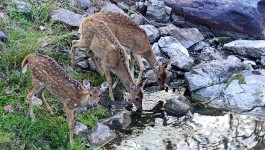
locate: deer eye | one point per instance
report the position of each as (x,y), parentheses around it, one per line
(99,96)
(159,79)
(90,95)
(137,99)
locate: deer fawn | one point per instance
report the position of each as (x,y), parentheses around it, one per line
(129,34)
(108,55)
(47,74)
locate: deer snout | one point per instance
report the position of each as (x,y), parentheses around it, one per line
(95,105)
(140,109)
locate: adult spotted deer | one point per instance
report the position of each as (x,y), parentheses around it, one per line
(47,74)
(132,36)
(108,56)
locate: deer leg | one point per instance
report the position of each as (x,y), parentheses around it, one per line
(41,96)
(33,90)
(96,62)
(108,77)
(115,83)
(132,66)
(141,65)
(75,44)
(70,121)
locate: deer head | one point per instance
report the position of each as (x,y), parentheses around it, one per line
(161,74)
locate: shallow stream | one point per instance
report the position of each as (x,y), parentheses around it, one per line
(204,128)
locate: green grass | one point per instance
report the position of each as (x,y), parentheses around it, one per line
(17,131)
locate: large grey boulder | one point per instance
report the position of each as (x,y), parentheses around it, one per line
(249,48)
(186,36)
(80,129)
(244,92)
(120,120)
(66,16)
(181,61)
(152,32)
(226,15)
(156,11)
(100,135)
(138,19)
(170,46)
(156,49)
(213,72)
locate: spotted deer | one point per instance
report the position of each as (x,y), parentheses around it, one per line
(108,56)
(132,36)
(47,74)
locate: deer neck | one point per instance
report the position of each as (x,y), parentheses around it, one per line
(124,75)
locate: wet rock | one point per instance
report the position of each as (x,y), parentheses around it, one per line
(199,46)
(66,16)
(108,6)
(262,60)
(213,72)
(210,53)
(209,93)
(82,64)
(83,4)
(249,48)
(156,11)
(175,107)
(9,108)
(170,46)
(156,49)
(181,61)
(23,7)
(205,12)
(138,19)
(152,32)
(100,135)
(186,36)
(80,129)
(3,36)
(120,120)
(244,92)
(80,55)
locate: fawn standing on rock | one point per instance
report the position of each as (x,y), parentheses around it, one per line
(47,74)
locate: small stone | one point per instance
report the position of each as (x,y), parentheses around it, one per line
(83,64)
(3,36)
(100,135)
(120,120)
(138,19)
(9,108)
(9,92)
(80,129)
(42,28)
(262,60)
(168,10)
(36,101)
(23,7)
(175,107)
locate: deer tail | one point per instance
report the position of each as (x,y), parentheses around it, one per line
(24,64)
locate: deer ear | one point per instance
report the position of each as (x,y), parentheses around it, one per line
(86,84)
(104,86)
(132,87)
(156,66)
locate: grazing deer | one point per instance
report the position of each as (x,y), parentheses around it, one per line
(47,74)
(131,35)
(108,56)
